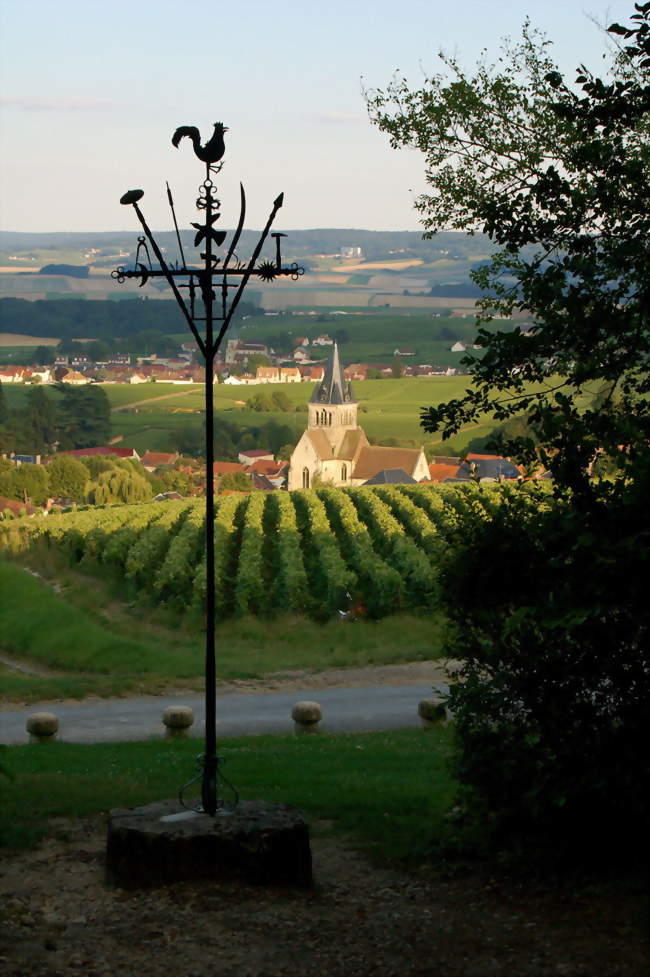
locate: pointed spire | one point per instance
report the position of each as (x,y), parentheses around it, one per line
(334,388)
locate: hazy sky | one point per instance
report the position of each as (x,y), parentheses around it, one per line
(92,91)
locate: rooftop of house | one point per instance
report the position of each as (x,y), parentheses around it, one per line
(376,458)
(391,476)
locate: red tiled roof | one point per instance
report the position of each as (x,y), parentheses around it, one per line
(269,468)
(255,453)
(103,450)
(475,457)
(439,472)
(227,467)
(374,458)
(157,458)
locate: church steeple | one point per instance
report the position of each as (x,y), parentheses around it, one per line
(334,388)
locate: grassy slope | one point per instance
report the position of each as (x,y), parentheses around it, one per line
(89,643)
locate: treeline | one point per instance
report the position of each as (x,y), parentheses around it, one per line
(375,244)
(68,418)
(96,480)
(99,480)
(231,438)
(88,319)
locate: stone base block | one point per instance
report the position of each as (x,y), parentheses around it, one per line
(161,843)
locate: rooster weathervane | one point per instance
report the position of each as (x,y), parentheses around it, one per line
(208,312)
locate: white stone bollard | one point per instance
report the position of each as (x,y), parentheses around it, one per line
(178,720)
(42,727)
(306,716)
(432,712)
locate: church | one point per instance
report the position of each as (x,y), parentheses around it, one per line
(334,450)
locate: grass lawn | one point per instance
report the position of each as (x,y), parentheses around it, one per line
(85,642)
(392,790)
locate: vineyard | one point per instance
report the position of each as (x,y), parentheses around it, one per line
(301,552)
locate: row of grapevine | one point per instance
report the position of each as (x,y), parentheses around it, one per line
(396,547)
(331,579)
(173,580)
(381,586)
(226,532)
(413,519)
(291,586)
(150,549)
(251,592)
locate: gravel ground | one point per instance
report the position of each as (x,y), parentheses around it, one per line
(58,919)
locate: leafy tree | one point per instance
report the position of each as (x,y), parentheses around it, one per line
(281,401)
(235,482)
(397,367)
(4,410)
(558,177)
(25,480)
(260,402)
(550,714)
(118,485)
(171,480)
(341,336)
(84,416)
(40,421)
(67,478)
(98,350)
(43,355)
(255,360)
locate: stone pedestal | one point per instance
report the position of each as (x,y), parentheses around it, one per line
(161,843)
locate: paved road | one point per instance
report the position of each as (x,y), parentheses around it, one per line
(110,720)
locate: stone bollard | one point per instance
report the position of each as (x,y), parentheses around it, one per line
(178,720)
(42,727)
(432,712)
(306,716)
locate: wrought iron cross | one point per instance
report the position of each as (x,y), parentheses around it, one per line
(202,309)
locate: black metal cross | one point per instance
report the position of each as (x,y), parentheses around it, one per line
(231,274)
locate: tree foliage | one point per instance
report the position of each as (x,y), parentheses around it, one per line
(67,478)
(558,176)
(551,618)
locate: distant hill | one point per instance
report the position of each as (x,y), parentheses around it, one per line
(374,244)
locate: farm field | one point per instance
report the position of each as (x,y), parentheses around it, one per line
(389,410)
(389,413)
(11,341)
(374,338)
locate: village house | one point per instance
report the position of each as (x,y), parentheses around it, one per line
(63,374)
(313,373)
(356,371)
(334,449)
(255,454)
(101,450)
(274,471)
(156,459)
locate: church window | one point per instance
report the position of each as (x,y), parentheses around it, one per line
(305,478)
(344,473)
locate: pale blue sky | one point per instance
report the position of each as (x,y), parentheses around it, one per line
(91,93)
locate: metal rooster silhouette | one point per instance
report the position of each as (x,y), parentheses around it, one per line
(213,149)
